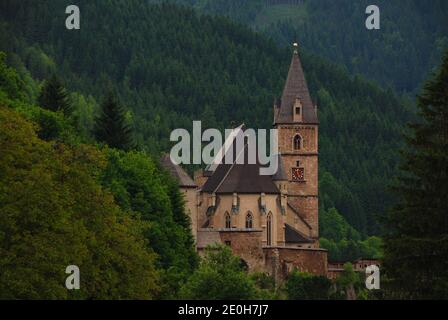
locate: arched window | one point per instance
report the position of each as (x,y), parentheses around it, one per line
(269,229)
(249,221)
(228,220)
(297,142)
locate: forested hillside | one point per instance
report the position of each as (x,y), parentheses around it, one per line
(170,65)
(408,46)
(116,215)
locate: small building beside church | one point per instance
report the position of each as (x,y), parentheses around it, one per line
(270,222)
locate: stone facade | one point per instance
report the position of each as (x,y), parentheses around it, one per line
(303,195)
(280,261)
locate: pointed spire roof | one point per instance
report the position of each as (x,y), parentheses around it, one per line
(296,87)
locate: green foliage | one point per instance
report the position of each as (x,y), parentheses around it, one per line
(350,284)
(219,277)
(333,226)
(305,286)
(265,286)
(10,82)
(54,97)
(111,126)
(350,250)
(152,207)
(54,213)
(412,37)
(220,71)
(51,125)
(83,115)
(139,186)
(342,241)
(417,240)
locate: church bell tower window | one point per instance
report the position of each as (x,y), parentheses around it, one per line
(297,142)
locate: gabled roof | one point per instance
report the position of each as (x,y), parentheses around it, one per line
(177,172)
(295,87)
(224,148)
(239,178)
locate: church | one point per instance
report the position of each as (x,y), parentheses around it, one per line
(270,222)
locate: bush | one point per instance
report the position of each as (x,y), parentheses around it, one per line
(305,286)
(219,277)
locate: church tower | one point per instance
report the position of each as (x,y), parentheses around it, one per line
(295,117)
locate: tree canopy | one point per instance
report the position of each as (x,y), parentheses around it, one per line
(416,245)
(54,213)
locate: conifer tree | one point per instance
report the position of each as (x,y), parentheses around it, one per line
(54,97)
(111,126)
(416,246)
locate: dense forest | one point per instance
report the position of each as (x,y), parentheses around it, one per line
(170,65)
(409,45)
(114,214)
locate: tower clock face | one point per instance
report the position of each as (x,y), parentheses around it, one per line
(298,174)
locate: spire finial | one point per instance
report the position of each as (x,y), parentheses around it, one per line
(296,47)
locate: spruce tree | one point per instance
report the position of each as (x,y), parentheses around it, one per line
(54,97)
(416,245)
(111,126)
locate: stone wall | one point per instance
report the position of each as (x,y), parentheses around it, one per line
(246,245)
(247,203)
(280,261)
(303,195)
(308,208)
(276,261)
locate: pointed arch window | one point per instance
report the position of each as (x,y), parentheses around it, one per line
(249,220)
(228,220)
(297,142)
(269,229)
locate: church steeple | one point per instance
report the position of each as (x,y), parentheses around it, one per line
(296,105)
(297,124)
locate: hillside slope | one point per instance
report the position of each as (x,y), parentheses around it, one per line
(408,46)
(171,65)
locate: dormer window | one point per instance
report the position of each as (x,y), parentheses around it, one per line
(297,110)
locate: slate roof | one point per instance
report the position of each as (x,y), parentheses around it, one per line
(296,87)
(280,175)
(240,178)
(177,172)
(293,235)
